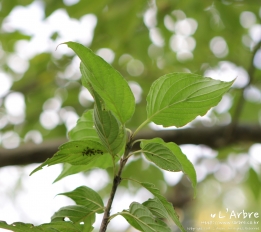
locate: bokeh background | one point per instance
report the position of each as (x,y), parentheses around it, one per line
(41,98)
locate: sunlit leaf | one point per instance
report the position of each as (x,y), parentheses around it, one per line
(107,82)
(88,222)
(177,98)
(60,227)
(78,152)
(186,166)
(142,219)
(19,227)
(161,156)
(87,197)
(103,162)
(75,213)
(48,227)
(168,206)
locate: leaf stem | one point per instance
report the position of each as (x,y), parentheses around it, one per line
(132,153)
(113,162)
(137,141)
(113,216)
(116,182)
(141,125)
(131,180)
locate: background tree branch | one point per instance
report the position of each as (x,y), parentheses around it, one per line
(214,137)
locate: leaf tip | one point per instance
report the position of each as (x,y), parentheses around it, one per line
(67,43)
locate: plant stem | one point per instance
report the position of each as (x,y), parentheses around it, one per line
(116,182)
(141,125)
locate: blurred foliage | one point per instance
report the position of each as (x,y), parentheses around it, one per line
(136,30)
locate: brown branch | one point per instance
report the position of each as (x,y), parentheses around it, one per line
(116,182)
(214,137)
(29,153)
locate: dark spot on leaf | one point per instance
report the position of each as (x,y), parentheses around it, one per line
(91,151)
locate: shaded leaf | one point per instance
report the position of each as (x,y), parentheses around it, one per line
(177,98)
(109,129)
(77,152)
(107,82)
(161,156)
(186,166)
(168,206)
(156,208)
(142,219)
(84,128)
(87,197)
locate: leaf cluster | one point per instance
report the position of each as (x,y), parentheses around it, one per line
(101,140)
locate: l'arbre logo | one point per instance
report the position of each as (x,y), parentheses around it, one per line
(232,214)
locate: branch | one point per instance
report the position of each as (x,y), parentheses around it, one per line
(29,153)
(116,182)
(214,137)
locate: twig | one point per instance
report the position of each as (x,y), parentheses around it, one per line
(116,182)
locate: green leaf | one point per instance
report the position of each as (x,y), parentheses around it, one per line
(68,169)
(103,162)
(168,206)
(60,227)
(156,208)
(89,221)
(142,219)
(106,81)
(109,129)
(84,128)
(77,152)
(76,213)
(48,227)
(186,166)
(161,156)
(19,227)
(177,98)
(87,197)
